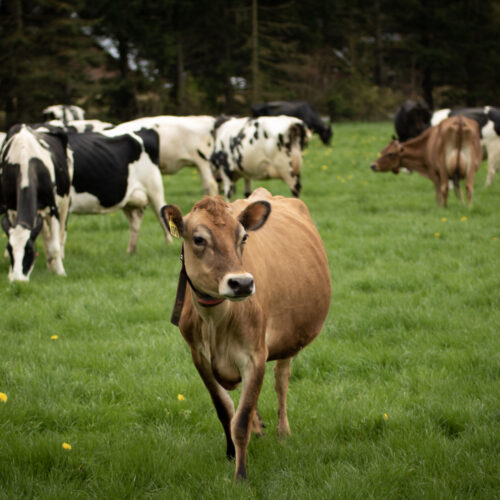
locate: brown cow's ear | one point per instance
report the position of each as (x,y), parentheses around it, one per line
(172,217)
(255,215)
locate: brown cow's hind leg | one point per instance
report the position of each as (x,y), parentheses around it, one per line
(281,380)
(257,424)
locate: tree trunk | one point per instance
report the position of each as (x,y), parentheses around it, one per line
(379,54)
(255,53)
(181,77)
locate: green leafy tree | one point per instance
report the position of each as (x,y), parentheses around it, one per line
(44,58)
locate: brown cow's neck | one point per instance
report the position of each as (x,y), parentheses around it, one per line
(413,152)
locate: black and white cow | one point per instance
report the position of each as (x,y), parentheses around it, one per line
(259,148)
(36,172)
(180,141)
(411,119)
(81,125)
(488,119)
(64,112)
(117,170)
(298,109)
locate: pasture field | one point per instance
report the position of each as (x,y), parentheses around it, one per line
(399,397)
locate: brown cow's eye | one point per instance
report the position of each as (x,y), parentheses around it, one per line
(244,239)
(199,241)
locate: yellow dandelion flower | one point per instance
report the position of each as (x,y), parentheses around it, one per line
(437,235)
(463,219)
(66,446)
(495,238)
(3,397)
(112,214)
(324,167)
(444,219)
(349,177)
(54,337)
(386,417)
(180,397)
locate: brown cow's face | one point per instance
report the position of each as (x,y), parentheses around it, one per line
(389,159)
(213,246)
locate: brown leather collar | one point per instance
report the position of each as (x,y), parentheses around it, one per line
(203,299)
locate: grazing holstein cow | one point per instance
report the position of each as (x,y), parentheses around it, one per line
(411,119)
(298,109)
(448,151)
(269,147)
(64,112)
(179,141)
(36,170)
(81,126)
(259,290)
(488,119)
(113,170)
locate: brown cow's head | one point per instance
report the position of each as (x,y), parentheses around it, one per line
(389,159)
(214,240)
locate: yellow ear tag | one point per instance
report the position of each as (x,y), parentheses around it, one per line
(173,228)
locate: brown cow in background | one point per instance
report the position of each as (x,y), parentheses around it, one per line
(448,151)
(248,302)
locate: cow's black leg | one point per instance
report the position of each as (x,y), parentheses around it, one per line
(223,403)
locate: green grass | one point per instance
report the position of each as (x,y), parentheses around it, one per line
(397,398)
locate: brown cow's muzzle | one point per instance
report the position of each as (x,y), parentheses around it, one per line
(373,166)
(237,286)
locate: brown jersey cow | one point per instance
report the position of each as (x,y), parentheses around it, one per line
(448,151)
(259,290)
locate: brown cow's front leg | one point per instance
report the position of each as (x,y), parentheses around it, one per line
(241,425)
(222,401)
(437,186)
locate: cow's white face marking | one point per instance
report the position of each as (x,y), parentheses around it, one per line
(18,238)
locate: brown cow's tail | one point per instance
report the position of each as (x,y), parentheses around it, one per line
(456,161)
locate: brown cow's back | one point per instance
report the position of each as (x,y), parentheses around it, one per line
(288,261)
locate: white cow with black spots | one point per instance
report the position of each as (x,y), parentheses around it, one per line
(268,147)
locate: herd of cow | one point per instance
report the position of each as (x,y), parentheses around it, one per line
(69,164)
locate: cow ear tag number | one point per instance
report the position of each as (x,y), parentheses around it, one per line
(173,228)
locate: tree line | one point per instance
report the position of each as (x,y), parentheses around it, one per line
(352,59)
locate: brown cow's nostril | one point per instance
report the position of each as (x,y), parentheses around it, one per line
(241,286)
(373,166)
